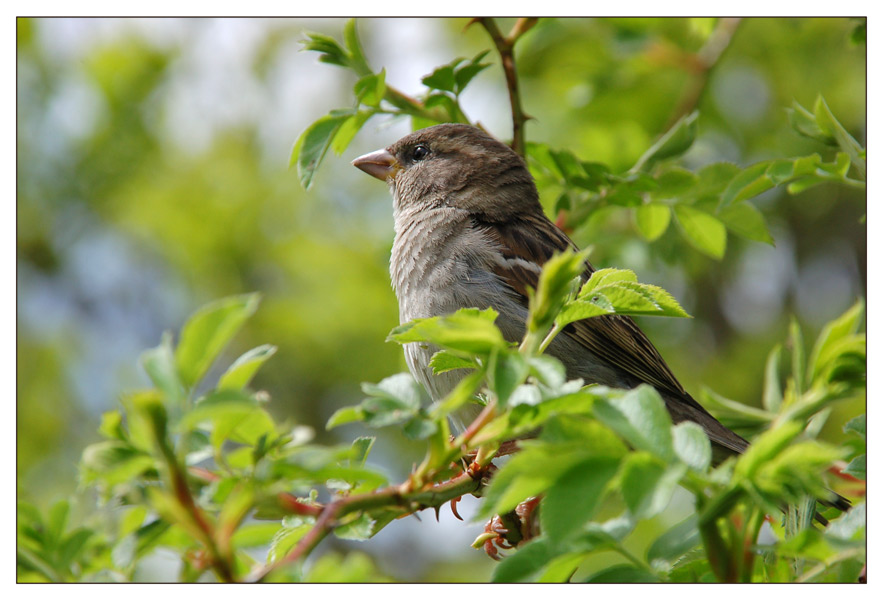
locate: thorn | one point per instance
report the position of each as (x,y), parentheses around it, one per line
(454,507)
(437,511)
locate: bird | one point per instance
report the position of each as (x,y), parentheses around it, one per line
(470,232)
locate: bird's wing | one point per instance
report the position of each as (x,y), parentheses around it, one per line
(614,339)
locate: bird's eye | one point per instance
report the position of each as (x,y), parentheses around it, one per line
(420,152)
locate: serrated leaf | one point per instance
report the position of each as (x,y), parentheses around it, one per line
(419,428)
(647,484)
(804,123)
(745,220)
(506,371)
(523,565)
(348,130)
(229,414)
(443,361)
(347,414)
(829,124)
(828,342)
(623,574)
(240,373)
(652,220)
(674,142)
(704,232)
(675,542)
(467,73)
(371,89)
(467,330)
(357,56)
(576,495)
(766,447)
(159,364)
(691,445)
(312,145)
(113,462)
(208,332)
(442,78)
(858,467)
(772,389)
(640,417)
(858,425)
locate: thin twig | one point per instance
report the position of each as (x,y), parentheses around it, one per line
(701,64)
(505,47)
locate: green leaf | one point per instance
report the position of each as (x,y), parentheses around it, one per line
(310,148)
(640,417)
(829,124)
(623,574)
(615,291)
(240,373)
(523,565)
(575,497)
(766,447)
(468,330)
(464,74)
(747,221)
(691,445)
(462,393)
(229,414)
(858,425)
(348,130)
(506,371)
(825,350)
(442,78)
(371,89)
(652,220)
(561,568)
(674,142)
(361,448)
(443,361)
(706,233)
(293,529)
(772,390)
(331,51)
(804,123)
(360,529)
(566,441)
(208,331)
(159,363)
(254,535)
(342,416)
(112,425)
(857,467)
(395,400)
(113,462)
(357,56)
(647,484)
(675,542)
(419,428)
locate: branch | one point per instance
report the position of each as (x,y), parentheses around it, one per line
(388,498)
(505,47)
(701,64)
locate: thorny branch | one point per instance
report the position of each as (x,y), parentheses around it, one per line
(701,64)
(505,48)
(394,497)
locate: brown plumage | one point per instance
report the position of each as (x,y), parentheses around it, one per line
(470,231)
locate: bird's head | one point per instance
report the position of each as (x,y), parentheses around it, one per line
(453,165)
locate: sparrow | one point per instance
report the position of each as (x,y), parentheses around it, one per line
(470,232)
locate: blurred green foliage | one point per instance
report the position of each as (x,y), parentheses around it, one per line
(128,216)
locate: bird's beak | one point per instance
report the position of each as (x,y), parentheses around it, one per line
(380,164)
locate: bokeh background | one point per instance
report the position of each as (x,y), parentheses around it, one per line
(153,176)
